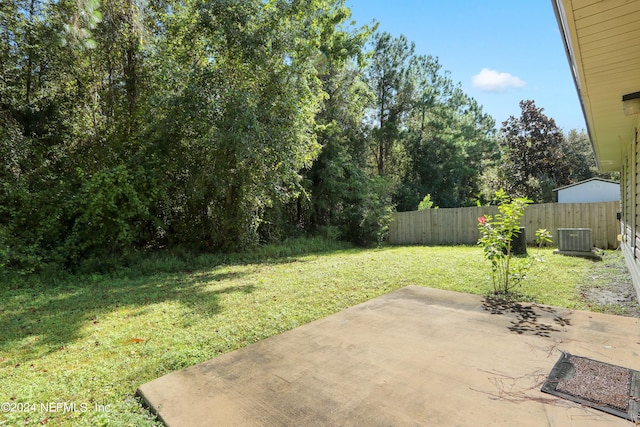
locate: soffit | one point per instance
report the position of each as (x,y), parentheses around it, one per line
(603,40)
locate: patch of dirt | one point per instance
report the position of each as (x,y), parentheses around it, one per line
(608,287)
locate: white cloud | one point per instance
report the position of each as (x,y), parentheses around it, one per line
(492,81)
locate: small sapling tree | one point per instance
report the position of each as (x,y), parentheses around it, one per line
(497,233)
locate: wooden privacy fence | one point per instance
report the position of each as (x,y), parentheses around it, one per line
(459,226)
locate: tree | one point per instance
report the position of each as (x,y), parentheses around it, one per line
(128,125)
(388,75)
(579,153)
(41,109)
(346,197)
(133,125)
(242,119)
(497,235)
(449,139)
(533,160)
(427,136)
(581,158)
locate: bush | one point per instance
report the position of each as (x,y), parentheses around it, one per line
(368,215)
(497,233)
(426,203)
(109,215)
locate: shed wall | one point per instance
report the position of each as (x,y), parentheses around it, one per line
(590,192)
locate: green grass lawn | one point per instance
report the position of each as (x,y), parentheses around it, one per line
(94,341)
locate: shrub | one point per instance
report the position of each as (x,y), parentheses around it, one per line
(497,233)
(109,214)
(426,203)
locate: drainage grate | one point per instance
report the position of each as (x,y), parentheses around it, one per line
(609,388)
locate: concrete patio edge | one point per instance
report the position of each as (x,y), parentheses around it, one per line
(415,356)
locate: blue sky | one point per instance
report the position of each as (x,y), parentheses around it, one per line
(500,51)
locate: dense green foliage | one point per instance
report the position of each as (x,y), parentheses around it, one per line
(427,135)
(426,203)
(218,125)
(132,125)
(536,157)
(534,163)
(577,148)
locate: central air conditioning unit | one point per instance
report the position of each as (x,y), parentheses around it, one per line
(574,240)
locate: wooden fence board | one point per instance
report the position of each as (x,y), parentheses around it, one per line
(459,226)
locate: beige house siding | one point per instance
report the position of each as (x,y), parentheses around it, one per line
(630,176)
(601,39)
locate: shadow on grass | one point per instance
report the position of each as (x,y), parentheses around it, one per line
(53,317)
(527,316)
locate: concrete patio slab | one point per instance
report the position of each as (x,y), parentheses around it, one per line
(416,356)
